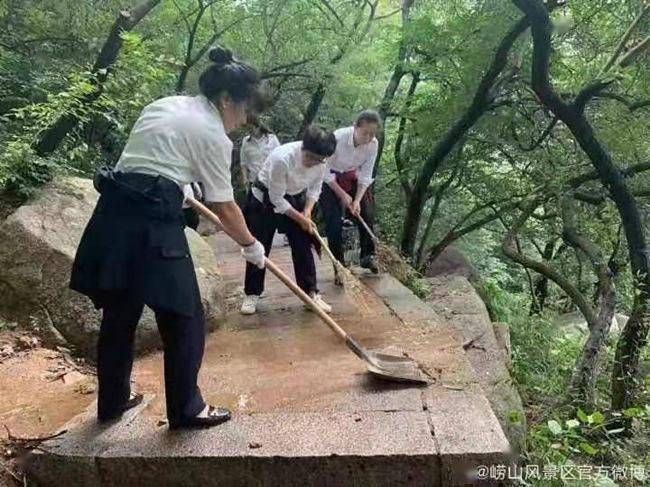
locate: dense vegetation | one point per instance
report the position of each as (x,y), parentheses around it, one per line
(517,131)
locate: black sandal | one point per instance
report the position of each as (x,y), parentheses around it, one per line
(134,400)
(215,417)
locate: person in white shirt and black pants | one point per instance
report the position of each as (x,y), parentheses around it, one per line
(255,148)
(284,195)
(134,251)
(348,179)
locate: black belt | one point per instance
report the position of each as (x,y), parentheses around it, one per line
(137,193)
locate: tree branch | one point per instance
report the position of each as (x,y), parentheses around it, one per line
(544,268)
(621,44)
(51,137)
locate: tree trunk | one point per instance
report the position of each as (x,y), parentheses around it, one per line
(395,79)
(540,293)
(635,333)
(312,109)
(626,380)
(309,115)
(583,381)
(477,108)
(51,137)
(187,64)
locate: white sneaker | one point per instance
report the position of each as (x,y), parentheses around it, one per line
(249,306)
(318,299)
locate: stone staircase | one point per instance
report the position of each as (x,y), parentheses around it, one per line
(305,412)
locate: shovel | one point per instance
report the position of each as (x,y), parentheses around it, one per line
(386,366)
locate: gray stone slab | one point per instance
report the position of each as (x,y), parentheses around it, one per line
(467,433)
(306,411)
(368,448)
(401,300)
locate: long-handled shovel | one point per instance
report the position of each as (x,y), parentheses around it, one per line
(383,365)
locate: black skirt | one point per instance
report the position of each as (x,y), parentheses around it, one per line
(135,242)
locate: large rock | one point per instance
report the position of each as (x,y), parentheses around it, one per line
(574,325)
(37,246)
(487,345)
(452,262)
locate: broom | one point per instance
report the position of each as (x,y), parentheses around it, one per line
(353,287)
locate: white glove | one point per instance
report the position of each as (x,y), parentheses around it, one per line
(254,254)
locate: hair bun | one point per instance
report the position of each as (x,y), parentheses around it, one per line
(221,55)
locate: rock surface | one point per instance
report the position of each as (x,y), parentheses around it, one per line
(452,262)
(38,245)
(305,412)
(454,298)
(574,325)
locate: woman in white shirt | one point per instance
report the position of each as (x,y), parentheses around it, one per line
(349,176)
(284,195)
(255,148)
(134,251)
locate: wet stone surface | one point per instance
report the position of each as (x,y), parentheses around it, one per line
(297,393)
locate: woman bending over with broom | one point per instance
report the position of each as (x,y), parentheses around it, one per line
(284,195)
(348,179)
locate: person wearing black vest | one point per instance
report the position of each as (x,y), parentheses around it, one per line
(134,251)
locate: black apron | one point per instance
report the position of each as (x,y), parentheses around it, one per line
(135,242)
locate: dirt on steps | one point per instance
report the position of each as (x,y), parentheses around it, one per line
(40,390)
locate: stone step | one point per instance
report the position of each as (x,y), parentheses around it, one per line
(305,411)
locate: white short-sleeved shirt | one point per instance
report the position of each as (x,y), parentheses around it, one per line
(348,157)
(191,191)
(284,173)
(183,139)
(254,152)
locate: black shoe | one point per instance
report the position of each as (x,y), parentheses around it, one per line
(369,262)
(215,416)
(134,400)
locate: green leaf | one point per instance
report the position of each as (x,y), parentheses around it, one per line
(572,423)
(554,427)
(588,449)
(515,417)
(598,417)
(632,412)
(582,416)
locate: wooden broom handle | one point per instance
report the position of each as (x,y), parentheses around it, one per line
(370,232)
(324,245)
(286,280)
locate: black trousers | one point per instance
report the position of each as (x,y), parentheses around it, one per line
(263,222)
(183,341)
(191,218)
(333,214)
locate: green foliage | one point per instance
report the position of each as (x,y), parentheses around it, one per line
(21,171)
(588,438)
(7,325)
(543,358)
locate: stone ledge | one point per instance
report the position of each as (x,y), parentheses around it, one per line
(393,448)
(354,432)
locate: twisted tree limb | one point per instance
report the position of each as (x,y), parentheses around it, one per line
(51,137)
(634,336)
